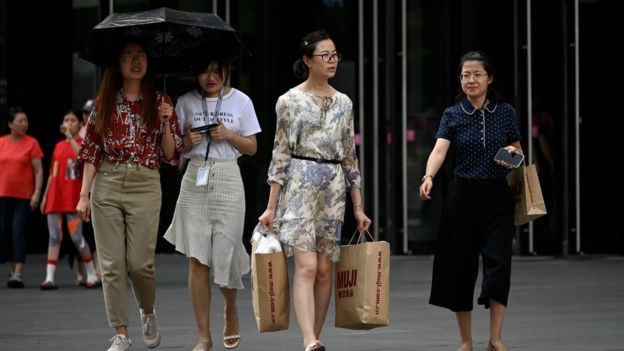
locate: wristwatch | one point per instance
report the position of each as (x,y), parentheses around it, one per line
(425,177)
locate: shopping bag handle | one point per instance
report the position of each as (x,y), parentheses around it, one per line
(362,235)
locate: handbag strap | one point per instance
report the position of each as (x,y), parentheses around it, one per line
(361,237)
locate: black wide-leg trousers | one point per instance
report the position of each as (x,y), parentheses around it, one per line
(477,219)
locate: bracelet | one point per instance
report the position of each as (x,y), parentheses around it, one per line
(425,177)
(358,205)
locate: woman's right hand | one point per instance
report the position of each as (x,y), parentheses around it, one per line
(66,131)
(84,208)
(42,204)
(267,218)
(425,189)
(192,138)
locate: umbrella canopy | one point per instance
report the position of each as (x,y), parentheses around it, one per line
(174,40)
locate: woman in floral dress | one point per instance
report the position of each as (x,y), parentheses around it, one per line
(314,165)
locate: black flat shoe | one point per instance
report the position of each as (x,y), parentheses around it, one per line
(15,284)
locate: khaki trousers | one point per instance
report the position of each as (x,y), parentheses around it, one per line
(125,202)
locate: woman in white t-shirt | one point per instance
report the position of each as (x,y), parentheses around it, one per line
(219,125)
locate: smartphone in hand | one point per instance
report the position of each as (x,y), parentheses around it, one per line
(204,129)
(514,160)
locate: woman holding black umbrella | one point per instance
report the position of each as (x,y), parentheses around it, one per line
(133,129)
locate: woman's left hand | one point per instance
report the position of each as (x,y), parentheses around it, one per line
(362,221)
(510,149)
(220,132)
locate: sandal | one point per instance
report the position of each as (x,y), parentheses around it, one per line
(231,341)
(315,346)
(232,345)
(491,347)
(203,344)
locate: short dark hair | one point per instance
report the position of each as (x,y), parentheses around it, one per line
(222,66)
(74,112)
(488,66)
(306,48)
(14,111)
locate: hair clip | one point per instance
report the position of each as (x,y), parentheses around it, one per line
(305,43)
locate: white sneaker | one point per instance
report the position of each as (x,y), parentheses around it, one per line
(151,332)
(120,342)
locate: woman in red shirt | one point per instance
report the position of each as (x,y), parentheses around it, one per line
(132,130)
(60,199)
(21,176)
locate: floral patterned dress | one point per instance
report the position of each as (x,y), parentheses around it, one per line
(311,206)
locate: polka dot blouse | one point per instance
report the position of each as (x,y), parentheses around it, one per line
(476,135)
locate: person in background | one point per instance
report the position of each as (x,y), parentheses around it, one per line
(60,199)
(478,214)
(21,178)
(314,166)
(87,228)
(207,225)
(133,129)
(87,108)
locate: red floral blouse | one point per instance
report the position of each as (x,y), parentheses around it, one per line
(128,138)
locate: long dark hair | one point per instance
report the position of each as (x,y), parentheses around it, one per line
(112,81)
(488,66)
(306,48)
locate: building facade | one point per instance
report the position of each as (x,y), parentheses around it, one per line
(556,61)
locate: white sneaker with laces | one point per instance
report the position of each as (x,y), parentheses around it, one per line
(120,342)
(151,332)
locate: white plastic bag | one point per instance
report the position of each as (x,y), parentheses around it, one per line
(266,240)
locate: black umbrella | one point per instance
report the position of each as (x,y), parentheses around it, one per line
(174,40)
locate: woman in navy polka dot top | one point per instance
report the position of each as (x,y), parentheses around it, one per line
(477,217)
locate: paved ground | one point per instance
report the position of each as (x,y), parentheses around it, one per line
(555,304)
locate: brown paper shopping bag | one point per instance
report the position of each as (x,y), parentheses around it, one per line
(270,294)
(362,285)
(527,194)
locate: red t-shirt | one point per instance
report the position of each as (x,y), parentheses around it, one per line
(17,178)
(65,179)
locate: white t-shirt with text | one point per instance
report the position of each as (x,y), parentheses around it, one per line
(237,114)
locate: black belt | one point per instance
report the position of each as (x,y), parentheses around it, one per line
(317,160)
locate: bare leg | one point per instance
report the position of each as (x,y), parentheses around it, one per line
(322,292)
(122,330)
(199,290)
(303,293)
(80,273)
(231,326)
(497,315)
(17,268)
(464,322)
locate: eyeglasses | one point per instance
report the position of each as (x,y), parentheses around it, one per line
(328,57)
(130,57)
(477,76)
